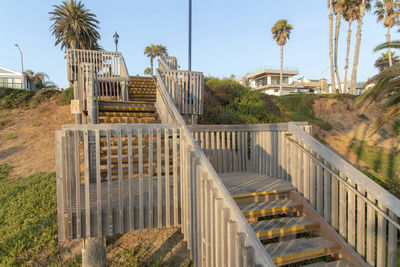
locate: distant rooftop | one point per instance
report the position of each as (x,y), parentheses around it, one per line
(272,70)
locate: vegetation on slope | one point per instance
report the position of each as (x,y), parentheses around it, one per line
(382,167)
(15,98)
(228,102)
(298,107)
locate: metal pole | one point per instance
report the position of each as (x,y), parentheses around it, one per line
(190,36)
(22,66)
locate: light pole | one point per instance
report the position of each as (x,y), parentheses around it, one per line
(190,37)
(22,66)
(116,38)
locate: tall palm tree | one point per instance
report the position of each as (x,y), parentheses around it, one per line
(383,61)
(339,6)
(153,51)
(351,14)
(332,66)
(281,33)
(74,26)
(35,80)
(388,12)
(364,5)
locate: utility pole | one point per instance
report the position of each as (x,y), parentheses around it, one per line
(22,66)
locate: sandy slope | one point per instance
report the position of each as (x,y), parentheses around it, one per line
(32,150)
(342,114)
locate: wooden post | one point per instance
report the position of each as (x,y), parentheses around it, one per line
(94,252)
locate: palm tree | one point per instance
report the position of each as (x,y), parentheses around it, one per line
(147,71)
(153,51)
(35,80)
(339,6)
(330,5)
(351,14)
(386,85)
(281,33)
(363,5)
(388,12)
(74,26)
(383,61)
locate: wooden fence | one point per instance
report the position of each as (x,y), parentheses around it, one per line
(171,62)
(242,148)
(116,178)
(186,88)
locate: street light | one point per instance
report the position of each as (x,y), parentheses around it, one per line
(22,66)
(116,38)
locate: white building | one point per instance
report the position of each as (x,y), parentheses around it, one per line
(12,79)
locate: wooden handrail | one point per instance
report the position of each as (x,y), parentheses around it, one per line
(381,194)
(262,257)
(348,185)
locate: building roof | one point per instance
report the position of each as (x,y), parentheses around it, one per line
(4,72)
(271,71)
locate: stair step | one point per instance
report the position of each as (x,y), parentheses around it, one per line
(285,226)
(301,249)
(262,196)
(129,120)
(125,114)
(339,263)
(267,208)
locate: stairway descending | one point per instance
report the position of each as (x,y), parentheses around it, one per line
(290,234)
(140,108)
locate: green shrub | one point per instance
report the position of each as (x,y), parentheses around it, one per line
(396,126)
(12,98)
(228,102)
(66,96)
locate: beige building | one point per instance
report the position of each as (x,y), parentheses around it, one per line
(268,81)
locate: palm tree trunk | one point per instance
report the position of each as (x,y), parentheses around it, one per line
(357,49)
(331,46)
(346,66)
(389,52)
(151,65)
(338,21)
(281,73)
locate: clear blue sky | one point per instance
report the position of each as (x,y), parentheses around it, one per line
(228,36)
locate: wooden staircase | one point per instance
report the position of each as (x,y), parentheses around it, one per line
(139,109)
(291,231)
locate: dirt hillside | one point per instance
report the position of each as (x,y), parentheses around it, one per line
(343,115)
(27,136)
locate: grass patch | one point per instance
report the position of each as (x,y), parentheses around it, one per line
(382,167)
(298,107)
(28,229)
(36,124)
(9,136)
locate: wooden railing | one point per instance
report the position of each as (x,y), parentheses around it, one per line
(186,88)
(105,64)
(116,178)
(88,93)
(242,148)
(171,62)
(365,214)
(110,69)
(215,229)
